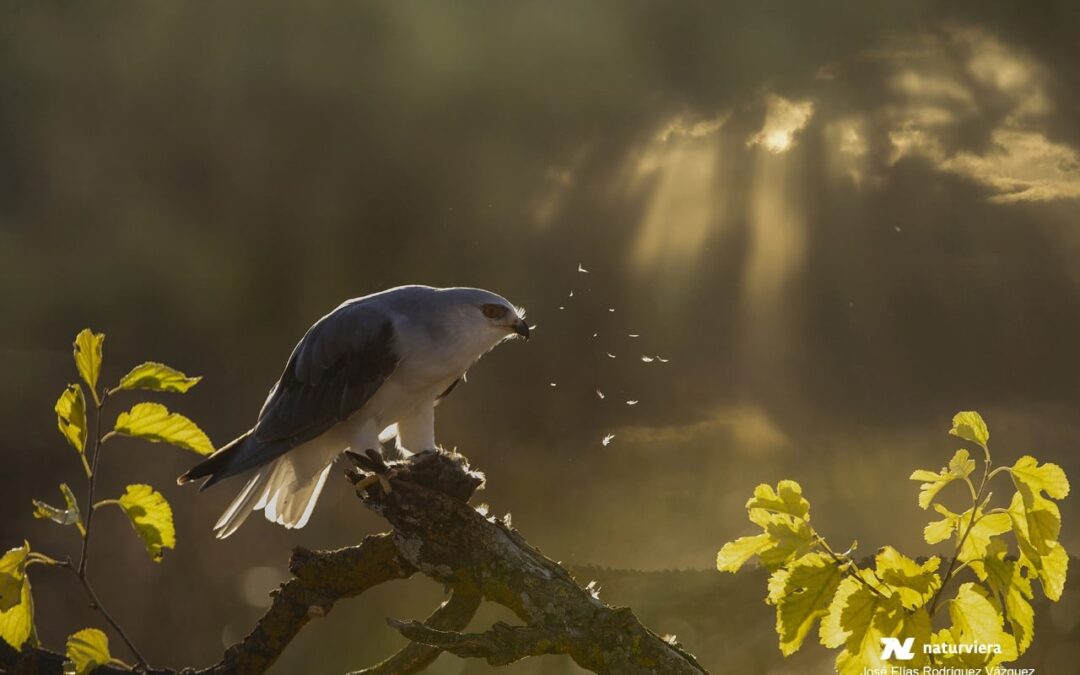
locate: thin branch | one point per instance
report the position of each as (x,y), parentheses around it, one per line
(95,604)
(501,645)
(91,484)
(321,578)
(977,503)
(91,507)
(453,615)
(850,563)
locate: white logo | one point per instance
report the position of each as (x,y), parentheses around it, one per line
(893,648)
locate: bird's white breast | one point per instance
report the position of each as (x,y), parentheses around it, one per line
(429,364)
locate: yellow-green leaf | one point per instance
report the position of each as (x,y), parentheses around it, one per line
(859,620)
(158,377)
(65,516)
(1055,568)
(808,587)
(88,357)
(1050,562)
(734,554)
(86,650)
(973,614)
(1006,579)
(975,619)
(1049,478)
(16,602)
(986,526)
(940,530)
(831,632)
(960,467)
(71,416)
(787,498)
(901,623)
(12,573)
(1041,516)
(790,537)
(912,584)
(970,426)
(152,518)
(153,422)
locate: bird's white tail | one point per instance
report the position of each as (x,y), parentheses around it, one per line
(286,490)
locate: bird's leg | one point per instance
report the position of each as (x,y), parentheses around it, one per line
(375,468)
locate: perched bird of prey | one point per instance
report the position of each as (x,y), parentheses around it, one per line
(371,370)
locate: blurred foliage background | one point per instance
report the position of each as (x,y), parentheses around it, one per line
(840,222)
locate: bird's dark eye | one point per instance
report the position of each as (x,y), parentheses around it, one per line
(494,311)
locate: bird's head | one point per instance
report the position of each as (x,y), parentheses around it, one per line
(489,312)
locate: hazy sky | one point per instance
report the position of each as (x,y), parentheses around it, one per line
(840,223)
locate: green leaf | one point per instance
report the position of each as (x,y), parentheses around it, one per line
(71,416)
(911,583)
(970,426)
(734,554)
(66,516)
(86,650)
(802,592)
(787,498)
(88,357)
(960,467)
(158,377)
(153,422)
(16,602)
(152,518)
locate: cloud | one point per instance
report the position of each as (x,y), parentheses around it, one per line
(948,85)
(783,120)
(1021,166)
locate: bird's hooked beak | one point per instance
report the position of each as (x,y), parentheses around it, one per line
(521,328)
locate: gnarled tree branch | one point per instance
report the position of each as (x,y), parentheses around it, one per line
(436,532)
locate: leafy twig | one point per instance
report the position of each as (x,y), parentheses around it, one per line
(91,507)
(977,503)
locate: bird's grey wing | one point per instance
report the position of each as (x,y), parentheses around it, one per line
(335,368)
(333,371)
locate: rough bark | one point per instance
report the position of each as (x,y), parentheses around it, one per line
(440,534)
(436,532)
